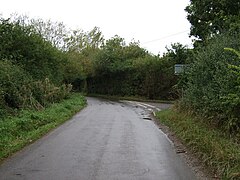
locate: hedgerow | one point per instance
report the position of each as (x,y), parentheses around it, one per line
(31,73)
(212,85)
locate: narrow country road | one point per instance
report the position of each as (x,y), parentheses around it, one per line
(105,141)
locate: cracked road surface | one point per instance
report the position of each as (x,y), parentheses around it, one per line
(105,141)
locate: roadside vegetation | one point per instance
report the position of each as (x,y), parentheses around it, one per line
(211,83)
(35,90)
(207,116)
(29,125)
(219,153)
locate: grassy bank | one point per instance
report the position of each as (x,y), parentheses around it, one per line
(16,132)
(211,146)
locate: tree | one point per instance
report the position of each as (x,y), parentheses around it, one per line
(81,42)
(22,45)
(133,50)
(81,49)
(179,53)
(54,32)
(209,17)
(110,59)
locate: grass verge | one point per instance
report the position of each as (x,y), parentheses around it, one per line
(211,146)
(29,125)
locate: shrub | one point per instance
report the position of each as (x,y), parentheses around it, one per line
(231,101)
(19,91)
(210,82)
(31,67)
(46,92)
(20,43)
(14,80)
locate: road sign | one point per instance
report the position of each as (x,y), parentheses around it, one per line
(179,68)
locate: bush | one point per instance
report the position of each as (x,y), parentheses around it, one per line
(21,44)
(14,81)
(31,71)
(210,82)
(19,91)
(148,76)
(231,101)
(46,92)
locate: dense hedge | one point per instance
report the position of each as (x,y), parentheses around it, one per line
(25,47)
(128,70)
(150,77)
(212,86)
(31,73)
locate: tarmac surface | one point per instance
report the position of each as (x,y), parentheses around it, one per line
(105,141)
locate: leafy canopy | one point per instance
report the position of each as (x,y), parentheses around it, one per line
(209,17)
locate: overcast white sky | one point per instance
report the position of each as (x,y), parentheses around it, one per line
(155,23)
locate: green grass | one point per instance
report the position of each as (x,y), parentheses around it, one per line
(129,98)
(29,125)
(218,152)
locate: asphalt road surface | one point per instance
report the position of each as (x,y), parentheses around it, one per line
(105,141)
